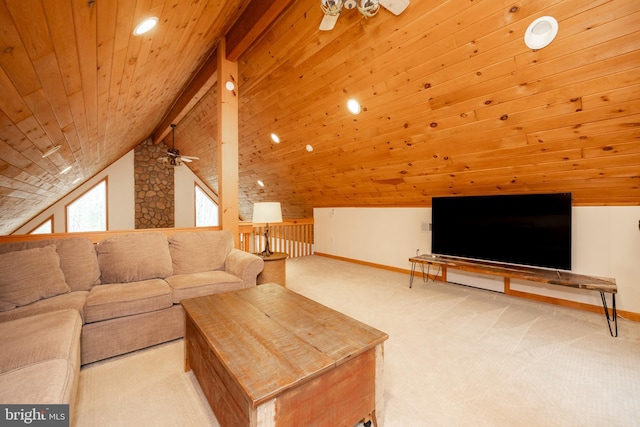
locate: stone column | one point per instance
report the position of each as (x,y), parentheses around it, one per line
(154,187)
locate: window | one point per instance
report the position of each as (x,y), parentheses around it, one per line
(89,211)
(206,209)
(45,227)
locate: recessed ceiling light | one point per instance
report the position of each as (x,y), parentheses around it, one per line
(541,32)
(275,138)
(51,151)
(145,26)
(65,170)
(229,85)
(260,183)
(354,106)
(309,147)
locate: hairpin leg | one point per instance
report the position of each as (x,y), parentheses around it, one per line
(614,313)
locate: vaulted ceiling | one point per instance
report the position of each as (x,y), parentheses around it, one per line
(453,101)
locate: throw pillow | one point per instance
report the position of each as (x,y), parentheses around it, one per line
(30,275)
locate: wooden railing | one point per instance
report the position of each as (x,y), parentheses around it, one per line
(294,237)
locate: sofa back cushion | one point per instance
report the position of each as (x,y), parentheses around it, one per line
(195,252)
(78,259)
(29,276)
(134,257)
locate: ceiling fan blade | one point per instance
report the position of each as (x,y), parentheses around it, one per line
(394,6)
(329,22)
(190,158)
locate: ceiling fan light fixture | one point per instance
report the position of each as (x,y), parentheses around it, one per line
(145,26)
(368,8)
(331,7)
(354,106)
(173,157)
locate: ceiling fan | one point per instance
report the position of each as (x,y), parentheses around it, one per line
(368,8)
(173,157)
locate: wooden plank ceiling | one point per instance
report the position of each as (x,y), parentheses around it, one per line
(453,101)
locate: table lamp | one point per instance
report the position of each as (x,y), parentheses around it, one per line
(266,212)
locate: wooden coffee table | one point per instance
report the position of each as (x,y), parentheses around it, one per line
(266,356)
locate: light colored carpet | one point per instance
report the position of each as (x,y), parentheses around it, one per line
(455,356)
(146,388)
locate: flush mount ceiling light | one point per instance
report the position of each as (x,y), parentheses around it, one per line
(260,183)
(354,106)
(145,26)
(230,84)
(309,147)
(541,32)
(275,138)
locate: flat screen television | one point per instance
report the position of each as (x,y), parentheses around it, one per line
(523,229)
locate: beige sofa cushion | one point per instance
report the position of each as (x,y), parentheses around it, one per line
(193,285)
(134,257)
(38,276)
(194,252)
(40,358)
(78,259)
(126,299)
(74,300)
(47,382)
(38,338)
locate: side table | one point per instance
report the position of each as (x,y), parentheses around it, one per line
(274,269)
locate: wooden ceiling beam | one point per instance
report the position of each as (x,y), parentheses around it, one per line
(255,19)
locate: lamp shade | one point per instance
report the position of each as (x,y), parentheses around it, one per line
(267,212)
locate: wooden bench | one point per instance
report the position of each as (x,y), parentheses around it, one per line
(553,277)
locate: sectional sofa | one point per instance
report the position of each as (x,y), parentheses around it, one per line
(68,302)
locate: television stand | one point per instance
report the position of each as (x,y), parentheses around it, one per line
(552,277)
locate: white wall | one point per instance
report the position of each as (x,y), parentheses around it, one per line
(184,181)
(121,198)
(605,242)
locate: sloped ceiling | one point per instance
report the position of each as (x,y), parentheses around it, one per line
(454,104)
(73,75)
(453,101)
